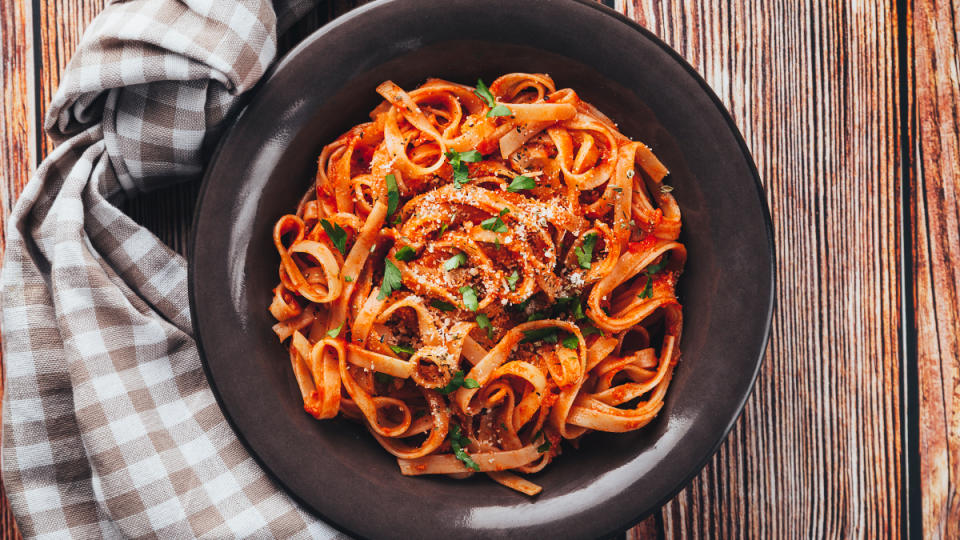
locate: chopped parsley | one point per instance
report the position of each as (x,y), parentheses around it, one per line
(571,342)
(335,332)
(571,305)
(456,261)
(499,110)
(458,161)
(584,251)
(654,268)
(589,330)
(522,306)
(402,349)
(457,442)
(470,156)
(548,335)
(391,279)
(457,381)
(496,224)
(512,280)
(484,323)
(336,234)
(495,110)
(382,378)
(347,279)
(443,306)
(443,229)
(469,298)
(521,183)
(647,291)
(484,93)
(544,447)
(405,254)
(393,194)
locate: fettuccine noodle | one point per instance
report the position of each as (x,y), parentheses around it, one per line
(481,273)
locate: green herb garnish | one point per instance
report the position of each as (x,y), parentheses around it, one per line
(521,183)
(469,298)
(571,342)
(458,161)
(495,110)
(484,323)
(335,332)
(512,280)
(391,279)
(336,234)
(405,254)
(647,291)
(443,306)
(536,316)
(584,251)
(496,224)
(402,349)
(548,335)
(393,194)
(456,261)
(589,329)
(522,306)
(654,268)
(457,442)
(382,378)
(457,381)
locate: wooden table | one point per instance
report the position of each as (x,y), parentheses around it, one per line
(851,110)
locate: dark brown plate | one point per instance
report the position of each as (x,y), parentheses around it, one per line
(326,85)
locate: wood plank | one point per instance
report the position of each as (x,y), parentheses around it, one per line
(935,188)
(813,87)
(19,151)
(18,145)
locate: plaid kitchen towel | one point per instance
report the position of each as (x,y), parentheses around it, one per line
(109,426)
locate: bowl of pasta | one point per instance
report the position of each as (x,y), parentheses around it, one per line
(474,275)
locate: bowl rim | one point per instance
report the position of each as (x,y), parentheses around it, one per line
(238,113)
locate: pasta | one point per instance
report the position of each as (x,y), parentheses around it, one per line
(481,273)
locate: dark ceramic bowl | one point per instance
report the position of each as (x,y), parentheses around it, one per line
(324,86)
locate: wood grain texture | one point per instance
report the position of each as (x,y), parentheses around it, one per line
(813,87)
(19,151)
(18,145)
(935,189)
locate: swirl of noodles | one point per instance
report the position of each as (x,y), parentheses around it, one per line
(481,273)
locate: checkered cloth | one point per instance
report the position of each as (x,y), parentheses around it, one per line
(109,426)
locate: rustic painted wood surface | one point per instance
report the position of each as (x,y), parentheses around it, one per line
(815,87)
(935,213)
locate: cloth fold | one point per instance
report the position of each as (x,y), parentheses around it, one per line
(109,426)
